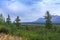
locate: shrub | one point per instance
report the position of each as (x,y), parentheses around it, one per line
(4,30)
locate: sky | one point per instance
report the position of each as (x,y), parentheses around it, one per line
(29,10)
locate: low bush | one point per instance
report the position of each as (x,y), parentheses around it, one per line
(4,30)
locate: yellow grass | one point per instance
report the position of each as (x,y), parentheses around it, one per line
(9,37)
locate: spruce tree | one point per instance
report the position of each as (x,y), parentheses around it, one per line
(48,23)
(1,19)
(17,21)
(8,20)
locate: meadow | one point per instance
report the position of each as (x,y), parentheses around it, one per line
(32,32)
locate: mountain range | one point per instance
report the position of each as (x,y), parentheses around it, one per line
(55,19)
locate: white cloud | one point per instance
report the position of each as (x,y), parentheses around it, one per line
(32,13)
(38,11)
(51,6)
(16,7)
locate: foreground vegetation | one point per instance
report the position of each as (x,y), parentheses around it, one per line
(9,37)
(32,32)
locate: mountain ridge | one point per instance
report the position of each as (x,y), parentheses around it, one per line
(55,20)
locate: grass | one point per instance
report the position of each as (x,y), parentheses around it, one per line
(33,32)
(9,37)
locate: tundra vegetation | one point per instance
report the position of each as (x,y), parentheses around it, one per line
(48,31)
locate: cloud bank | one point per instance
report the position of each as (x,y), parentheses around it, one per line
(29,10)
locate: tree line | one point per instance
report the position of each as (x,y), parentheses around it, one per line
(8,20)
(48,22)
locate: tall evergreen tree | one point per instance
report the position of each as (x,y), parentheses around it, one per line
(1,19)
(48,20)
(8,20)
(17,21)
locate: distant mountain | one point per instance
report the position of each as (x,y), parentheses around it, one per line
(55,19)
(40,20)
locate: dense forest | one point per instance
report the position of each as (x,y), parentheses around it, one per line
(48,31)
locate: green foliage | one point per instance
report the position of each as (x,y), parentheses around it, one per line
(31,33)
(4,29)
(48,20)
(17,21)
(8,20)
(1,19)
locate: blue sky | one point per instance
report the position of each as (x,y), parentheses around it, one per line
(29,10)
